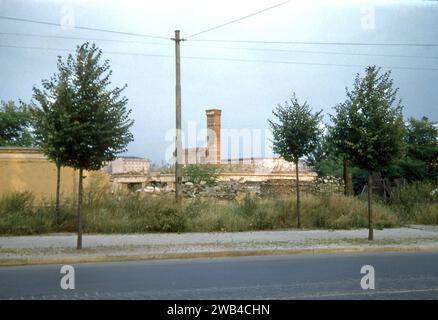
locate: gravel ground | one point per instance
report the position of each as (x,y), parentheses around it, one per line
(157,239)
(56,248)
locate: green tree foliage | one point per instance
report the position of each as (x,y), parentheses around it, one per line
(324,160)
(295,135)
(422,141)
(15,125)
(318,155)
(368,127)
(421,160)
(95,121)
(51,120)
(98,120)
(197,173)
(327,162)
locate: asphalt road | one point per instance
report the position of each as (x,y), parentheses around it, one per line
(331,276)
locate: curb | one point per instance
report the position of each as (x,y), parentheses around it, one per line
(213,254)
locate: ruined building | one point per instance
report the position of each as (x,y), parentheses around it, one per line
(212,153)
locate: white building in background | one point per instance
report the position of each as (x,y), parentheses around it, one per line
(126,165)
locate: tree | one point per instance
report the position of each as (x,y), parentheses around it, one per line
(343,158)
(327,160)
(197,173)
(15,125)
(368,127)
(318,155)
(337,137)
(295,135)
(421,160)
(50,120)
(96,121)
(422,143)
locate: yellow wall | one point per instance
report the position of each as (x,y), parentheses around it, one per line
(27,169)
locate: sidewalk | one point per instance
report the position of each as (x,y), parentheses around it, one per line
(60,248)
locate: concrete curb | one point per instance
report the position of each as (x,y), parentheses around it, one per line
(211,254)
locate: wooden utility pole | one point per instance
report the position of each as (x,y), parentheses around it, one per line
(178,143)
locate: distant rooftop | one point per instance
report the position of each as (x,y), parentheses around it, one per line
(133,158)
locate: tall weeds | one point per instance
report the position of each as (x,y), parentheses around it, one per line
(105,212)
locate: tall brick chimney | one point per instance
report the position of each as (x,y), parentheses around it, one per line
(214,135)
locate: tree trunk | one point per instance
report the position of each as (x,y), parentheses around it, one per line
(370,208)
(80,192)
(348,183)
(298,195)
(58,187)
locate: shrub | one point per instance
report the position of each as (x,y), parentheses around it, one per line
(134,213)
(196,173)
(414,201)
(19,216)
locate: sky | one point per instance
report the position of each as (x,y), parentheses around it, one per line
(246,87)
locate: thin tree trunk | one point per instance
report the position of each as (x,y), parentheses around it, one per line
(58,187)
(80,192)
(348,184)
(298,196)
(370,208)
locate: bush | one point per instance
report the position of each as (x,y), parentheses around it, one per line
(133,213)
(427,214)
(126,213)
(196,173)
(18,215)
(415,202)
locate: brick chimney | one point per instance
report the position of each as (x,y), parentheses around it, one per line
(214,135)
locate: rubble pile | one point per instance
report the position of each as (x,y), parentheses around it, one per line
(238,189)
(225,190)
(328,184)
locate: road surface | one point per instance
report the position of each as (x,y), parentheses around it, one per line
(325,276)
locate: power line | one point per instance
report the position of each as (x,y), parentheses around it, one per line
(238,19)
(72,50)
(83,28)
(225,40)
(309,63)
(318,52)
(323,43)
(32,35)
(231,59)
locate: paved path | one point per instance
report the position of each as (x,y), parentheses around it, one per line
(90,241)
(335,276)
(100,248)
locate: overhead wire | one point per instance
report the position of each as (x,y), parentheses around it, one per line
(83,28)
(227,59)
(33,35)
(232,41)
(238,19)
(399,44)
(44,36)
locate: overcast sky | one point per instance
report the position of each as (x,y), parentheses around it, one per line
(246,91)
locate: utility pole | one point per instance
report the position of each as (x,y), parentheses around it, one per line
(178,143)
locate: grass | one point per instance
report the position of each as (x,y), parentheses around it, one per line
(108,213)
